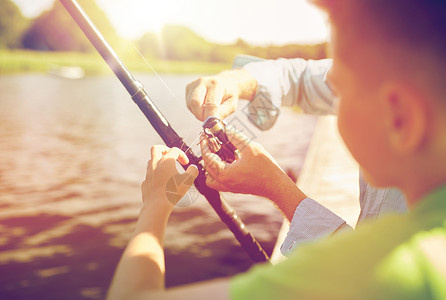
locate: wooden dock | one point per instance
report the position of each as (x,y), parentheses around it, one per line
(329,176)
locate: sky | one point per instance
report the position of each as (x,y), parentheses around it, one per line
(261,22)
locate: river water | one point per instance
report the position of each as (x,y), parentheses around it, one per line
(72,156)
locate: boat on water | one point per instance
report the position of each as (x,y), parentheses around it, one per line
(68,72)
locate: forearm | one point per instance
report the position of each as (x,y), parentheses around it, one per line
(290,82)
(142,267)
(285,194)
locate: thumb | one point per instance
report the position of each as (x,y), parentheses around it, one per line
(213,163)
(213,99)
(192,170)
(214,184)
(185,181)
(237,138)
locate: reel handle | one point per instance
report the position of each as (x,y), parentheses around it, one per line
(218,141)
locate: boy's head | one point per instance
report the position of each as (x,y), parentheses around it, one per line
(389,64)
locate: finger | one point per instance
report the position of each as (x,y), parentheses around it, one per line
(193,171)
(156,152)
(187,180)
(182,158)
(195,100)
(176,154)
(237,138)
(204,145)
(213,99)
(205,149)
(149,169)
(227,107)
(214,184)
(213,164)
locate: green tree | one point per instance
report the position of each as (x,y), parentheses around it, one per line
(150,44)
(12,25)
(181,43)
(55,30)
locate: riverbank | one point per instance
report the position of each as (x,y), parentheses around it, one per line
(23,61)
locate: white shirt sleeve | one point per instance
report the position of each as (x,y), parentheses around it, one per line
(288,82)
(311,221)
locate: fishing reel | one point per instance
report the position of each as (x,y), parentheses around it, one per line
(217,139)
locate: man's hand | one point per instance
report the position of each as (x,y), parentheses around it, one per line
(256,173)
(218,95)
(160,168)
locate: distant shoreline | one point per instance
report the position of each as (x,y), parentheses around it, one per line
(25,61)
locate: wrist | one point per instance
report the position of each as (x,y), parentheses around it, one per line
(155,198)
(243,82)
(153,216)
(160,208)
(285,194)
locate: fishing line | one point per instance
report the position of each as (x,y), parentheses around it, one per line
(193,143)
(153,70)
(189,192)
(165,85)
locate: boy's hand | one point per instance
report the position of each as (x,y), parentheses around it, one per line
(161,169)
(256,172)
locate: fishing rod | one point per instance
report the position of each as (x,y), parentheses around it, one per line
(166,132)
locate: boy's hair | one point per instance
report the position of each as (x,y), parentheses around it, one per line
(411,33)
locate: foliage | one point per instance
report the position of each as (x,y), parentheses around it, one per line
(181,43)
(12,25)
(35,61)
(55,30)
(175,49)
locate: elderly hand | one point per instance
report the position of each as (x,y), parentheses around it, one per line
(256,172)
(218,95)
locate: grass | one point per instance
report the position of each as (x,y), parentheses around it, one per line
(21,61)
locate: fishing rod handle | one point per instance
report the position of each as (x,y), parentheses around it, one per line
(228,216)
